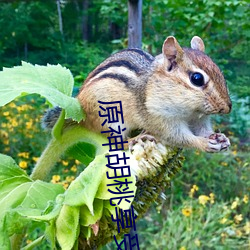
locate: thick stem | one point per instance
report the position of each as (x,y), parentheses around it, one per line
(57,147)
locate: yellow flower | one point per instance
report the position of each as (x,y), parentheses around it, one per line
(14,123)
(238,218)
(23,107)
(224,164)
(223,220)
(23,164)
(35,159)
(12,105)
(245,199)
(4,134)
(211,195)
(238,159)
(223,235)
(247,227)
(182,248)
(238,233)
(197,242)
(29,124)
(235,203)
(6,149)
(234,152)
(187,211)
(55,178)
(6,113)
(193,190)
(6,141)
(65,163)
(70,178)
(73,168)
(24,154)
(77,162)
(65,185)
(203,199)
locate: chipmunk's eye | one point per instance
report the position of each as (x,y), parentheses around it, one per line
(197,79)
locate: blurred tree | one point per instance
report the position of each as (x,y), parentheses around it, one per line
(30,31)
(134,23)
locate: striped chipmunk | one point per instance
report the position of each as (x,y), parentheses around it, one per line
(169,97)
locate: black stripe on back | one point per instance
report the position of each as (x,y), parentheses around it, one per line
(118,63)
(118,77)
(142,53)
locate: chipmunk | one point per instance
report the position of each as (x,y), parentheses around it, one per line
(170,96)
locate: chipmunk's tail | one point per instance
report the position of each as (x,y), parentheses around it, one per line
(50,117)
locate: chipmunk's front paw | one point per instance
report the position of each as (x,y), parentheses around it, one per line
(217,142)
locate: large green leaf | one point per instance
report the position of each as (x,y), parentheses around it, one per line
(53,82)
(22,200)
(67,226)
(82,190)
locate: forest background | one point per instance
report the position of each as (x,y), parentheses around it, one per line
(207,206)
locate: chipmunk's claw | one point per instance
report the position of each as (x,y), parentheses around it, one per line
(218,142)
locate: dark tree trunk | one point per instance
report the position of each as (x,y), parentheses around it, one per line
(115,30)
(85,20)
(134,23)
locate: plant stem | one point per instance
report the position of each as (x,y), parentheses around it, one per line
(57,147)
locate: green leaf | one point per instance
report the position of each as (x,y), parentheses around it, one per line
(86,218)
(14,198)
(46,216)
(39,194)
(53,82)
(83,152)
(4,240)
(9,168)
(50,234)
(67,226)
(6,186)
(20,197)
(83,189)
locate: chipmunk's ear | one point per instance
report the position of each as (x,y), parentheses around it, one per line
(197,43)
(171,49)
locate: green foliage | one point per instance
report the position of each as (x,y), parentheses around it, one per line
(52,82)
(19,198)
(199,223)
(223,25)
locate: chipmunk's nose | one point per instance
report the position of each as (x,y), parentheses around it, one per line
(227,108)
